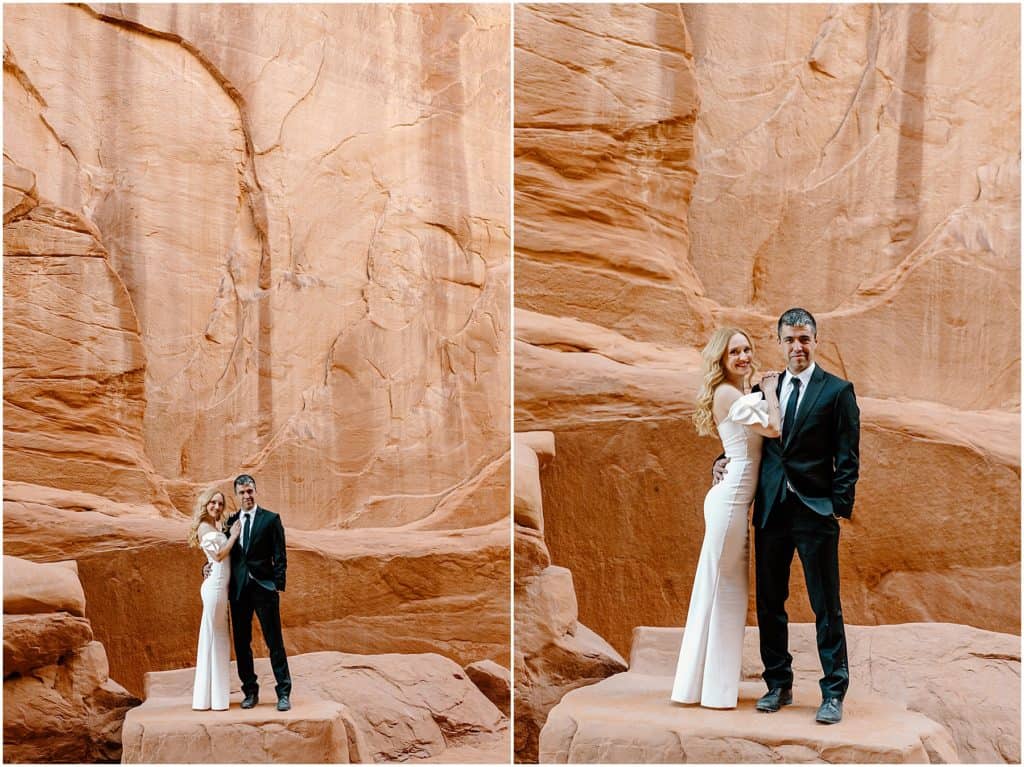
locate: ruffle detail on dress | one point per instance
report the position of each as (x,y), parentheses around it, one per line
(212,541)
(749,409)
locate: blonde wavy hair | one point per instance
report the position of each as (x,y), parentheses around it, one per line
(199,514)
(714,374)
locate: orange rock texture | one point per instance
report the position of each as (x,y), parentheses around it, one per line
(931,693)
(60,704)
(272,239)
(555,653)
(682,167)
(347,709)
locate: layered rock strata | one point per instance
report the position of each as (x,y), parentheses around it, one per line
(60,704)
(417,590)
(555,653)
(832,157)
(270,239)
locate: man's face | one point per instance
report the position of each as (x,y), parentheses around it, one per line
(798,344)
(246,495)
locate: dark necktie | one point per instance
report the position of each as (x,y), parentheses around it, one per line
(245,529)
(790,414)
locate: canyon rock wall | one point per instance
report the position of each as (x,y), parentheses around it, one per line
(681,167)
(270,239)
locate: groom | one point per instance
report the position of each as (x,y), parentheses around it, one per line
(258,565)
(806,483)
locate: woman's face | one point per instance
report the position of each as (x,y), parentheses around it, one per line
(738,358)
(215,506)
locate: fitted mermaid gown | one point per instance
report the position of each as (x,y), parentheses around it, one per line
(708,671)
(212,688)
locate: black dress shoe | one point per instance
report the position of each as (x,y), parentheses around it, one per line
(774,699)
(249,701)
(830,711)
(283,704)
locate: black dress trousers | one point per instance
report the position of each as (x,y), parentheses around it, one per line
(791,526)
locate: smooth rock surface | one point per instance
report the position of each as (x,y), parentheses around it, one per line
(846,140)
(628,718)
(678,168)
(494,681)
(169,732)
(31,587)
(317,350)
(346,708)
(966,679)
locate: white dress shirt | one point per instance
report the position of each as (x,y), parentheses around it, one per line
(252,513)
(787,388)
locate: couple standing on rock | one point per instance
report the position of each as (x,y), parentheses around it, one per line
(253,546)
(799,470)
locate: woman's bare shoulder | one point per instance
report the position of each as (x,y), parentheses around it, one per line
(726,394)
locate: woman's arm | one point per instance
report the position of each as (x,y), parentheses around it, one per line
(225,550)
(726,396)
(771,398)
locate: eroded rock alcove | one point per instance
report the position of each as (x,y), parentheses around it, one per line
(681,167)
(270,239)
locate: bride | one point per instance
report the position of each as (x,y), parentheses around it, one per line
(708,671)
(213,657)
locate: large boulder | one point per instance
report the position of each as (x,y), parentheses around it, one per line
(28,591)
(494,681)
(346,708)
(60,704)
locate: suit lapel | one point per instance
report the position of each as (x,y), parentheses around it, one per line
(810,397)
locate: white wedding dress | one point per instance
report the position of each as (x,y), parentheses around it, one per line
(708,671)
(212,688)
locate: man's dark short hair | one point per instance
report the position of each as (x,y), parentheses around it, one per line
(244,479)
(793,317)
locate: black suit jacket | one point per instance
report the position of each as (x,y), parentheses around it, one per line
(265,559)
(821,457)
